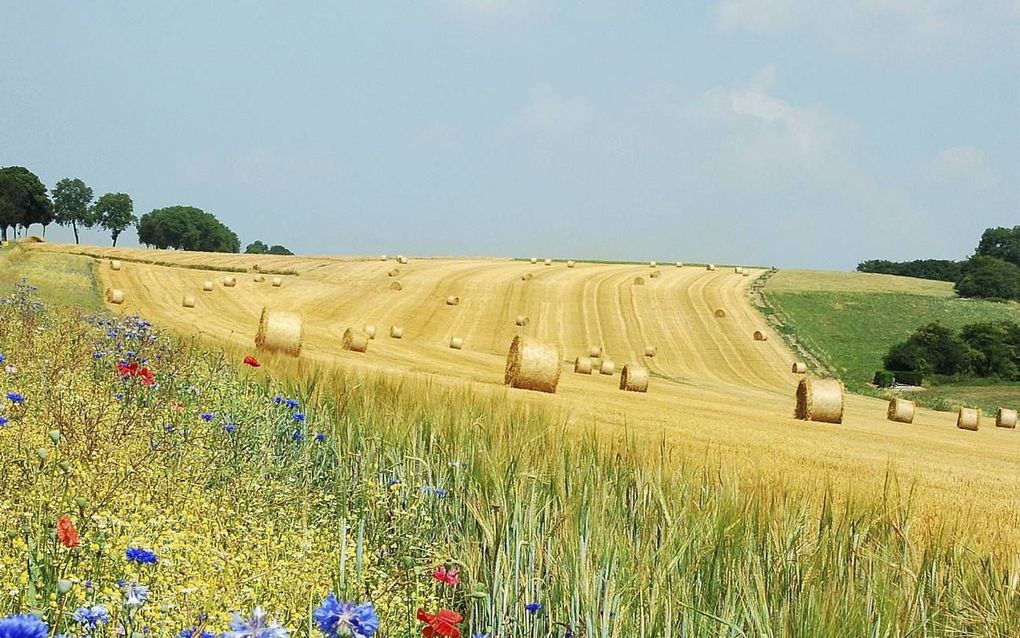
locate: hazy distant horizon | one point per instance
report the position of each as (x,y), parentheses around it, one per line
(774,132)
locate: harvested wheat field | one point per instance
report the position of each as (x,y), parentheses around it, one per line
(714,393)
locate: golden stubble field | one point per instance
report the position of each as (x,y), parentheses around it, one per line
(716,395)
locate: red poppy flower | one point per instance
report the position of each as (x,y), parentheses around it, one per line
(66,532)
(443,624)
(126,370)
(252,361)
(443,575)
(146,376)
(178,407)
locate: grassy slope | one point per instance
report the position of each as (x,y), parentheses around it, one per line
(849,321)
(61,279)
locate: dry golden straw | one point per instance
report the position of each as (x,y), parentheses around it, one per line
(548,262)
(115,295)
(259,279)
(393,273)
(652,264)
(746,273)
(456,343)
(452,301)
(738,270)
(679,264)
(385,257)
(396,333)
(395,285)
(522,320)
(720,314)
(188,301)
(901,410)
(607,367)
(595,352)
(280,331)
(710,267)
(114,264)
(649,351)
(207,286)
(229,282)
(255,267)
(634,378)
(583,365)
(655,274)
(639,281)
(534,260)
(370,330)
(401,259)
(532,365)
(354,340)
(760,336)
(820,400)
(277,282)
(799,367)
(1005,418)
(570,264)
(968,419)
(526,276)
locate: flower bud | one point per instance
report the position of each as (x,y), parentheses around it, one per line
(12,534)
(55,436)
(63,586)
(81,502)
(43,453)
(407,561)
(65,465)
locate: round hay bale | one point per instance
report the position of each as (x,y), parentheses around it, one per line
(385,258)
(710,267)
(799,367)
(259,279)
(393,273)
(229,282)
(396,333)
(354,341)
(401,259)
(720,313)
(532,365)
(649,351)
(395,285)
(968,419)
(534,260)
(607,367)
(207,286)
(901,410)
(452,301)
(583,365)
(280,331)
(114,264)
(652,264)
(1005,418)
(639,281)
(738,270)
(277,282)
(820,400)
(634,378)
(369,330)
(595,352)
(548,262)
(760,336)
(746,273)
(527,276)
(522,320)
(655,274)
(679,264)
(456,343)
(570,264)
(115,296)
(188,301)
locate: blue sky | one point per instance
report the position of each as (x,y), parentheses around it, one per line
(799,133)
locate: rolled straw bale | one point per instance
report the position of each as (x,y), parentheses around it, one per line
(532,365)
(280,331)
(710,267)
(522,320)
(639,281)
(259,279)
(277,282)
(534,260)
(738,270)
(354,340)
(548,262)
(115,295)
(655,274)
(229,282)
(746,273)
(1005,418)
(188,301)
(799,367)
(369,330)
(396,333)
(901,410)
(649,351)
(607,367)
(207,286)
(456,343)
(114,264)
(401,259)
(526,276)
(679,264)
(452,301)
(820,400)
(395,285)
(720,313)
(393,273)
(634,378)
(583,365)
(570,264)
(968,419)
(760,336)
(652,264)
(385,258)
(595,352)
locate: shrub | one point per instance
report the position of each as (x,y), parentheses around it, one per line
(884,379)
(985,276)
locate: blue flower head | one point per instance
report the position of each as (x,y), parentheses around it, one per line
(257,626)
(278,400)
(533,607)
(320,437)
(299,417)
(193,633)
(141,556)
(119,396)
(98,355)
(135,595)
(3,421)
(2,358)
(337,618)
(229,428)
(297,437)
(23,626)
(292,404)
(16,397)
(92,617)
(207,416)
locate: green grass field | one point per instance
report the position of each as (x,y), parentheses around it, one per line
(850,320)
(61,279)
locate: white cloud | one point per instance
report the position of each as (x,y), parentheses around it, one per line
(966,164)
(553,114)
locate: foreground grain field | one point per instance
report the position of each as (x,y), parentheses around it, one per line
(715,394)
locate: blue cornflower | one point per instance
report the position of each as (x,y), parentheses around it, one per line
(292,404)
(193,633)
(2,358)
(255,627)
(207,416)
(23,626)
(16,397)
(320,437)
(278,400)
(129,354)
(119,396)
(299,417)
(533,607)
(229,428)
(168,427)
(135,595)
(93,616)
(141,556)
(3,421)
(479,636)
(435,491)
(342,618)
(98,355)
(297,437)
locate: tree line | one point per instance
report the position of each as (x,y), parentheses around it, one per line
(24,200)
(992,272)
(988,349)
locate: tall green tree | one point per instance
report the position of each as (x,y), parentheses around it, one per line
(23,200)
(985,276)
(257,247)
(1001,243)
(72,205)
(115,212)
(186,228)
